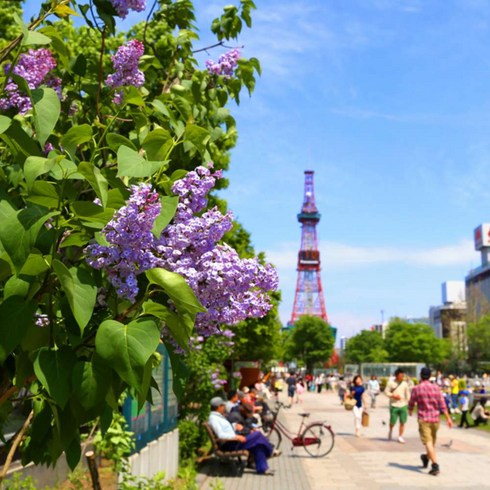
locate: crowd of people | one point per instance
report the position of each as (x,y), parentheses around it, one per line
(243,419)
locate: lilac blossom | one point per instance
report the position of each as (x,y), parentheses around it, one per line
(216,380)
(230,288)
(41,320)
(124,6)
(225,65)
(34,66)
(125,62)
(130,250)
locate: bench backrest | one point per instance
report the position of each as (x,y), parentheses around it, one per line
(212,436)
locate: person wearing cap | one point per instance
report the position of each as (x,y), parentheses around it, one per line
(464,405)
(430,404)
(398,392)
(255,442)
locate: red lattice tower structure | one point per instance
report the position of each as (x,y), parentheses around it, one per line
(308,299)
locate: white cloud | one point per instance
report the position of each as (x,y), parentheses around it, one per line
(341,255)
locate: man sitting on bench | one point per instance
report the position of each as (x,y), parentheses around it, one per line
(255,442)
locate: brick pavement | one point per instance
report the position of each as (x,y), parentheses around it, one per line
(370,462)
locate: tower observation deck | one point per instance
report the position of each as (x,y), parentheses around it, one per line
(308,298)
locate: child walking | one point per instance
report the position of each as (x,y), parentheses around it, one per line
(464,404)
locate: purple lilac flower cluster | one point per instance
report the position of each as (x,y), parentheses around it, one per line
(124,6)
(130,251)
(225,65)
(232,289)
(125,62)
(217,381)
(41,320)
(34,66)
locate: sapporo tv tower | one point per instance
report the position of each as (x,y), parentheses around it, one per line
(308,299)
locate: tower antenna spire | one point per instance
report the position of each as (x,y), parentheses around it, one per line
(308,298)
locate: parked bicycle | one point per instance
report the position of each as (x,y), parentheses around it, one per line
(316,438)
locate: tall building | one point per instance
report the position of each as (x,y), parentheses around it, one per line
(478,280)
(308,298)
(449,319)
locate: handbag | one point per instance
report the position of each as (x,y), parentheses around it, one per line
(350,403)
(365,419)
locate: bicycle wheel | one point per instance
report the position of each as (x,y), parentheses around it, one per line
(275,438)
(318,440)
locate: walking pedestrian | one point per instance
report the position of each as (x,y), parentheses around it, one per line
(374,389)
(358,392)
(464,404)
(398,392)
(430,404)
(319,380)
(291,382)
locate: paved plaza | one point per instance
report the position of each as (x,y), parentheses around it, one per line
(368,462)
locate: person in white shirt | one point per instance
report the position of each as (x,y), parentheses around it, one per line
(374,389)
(255,442)
(398,392)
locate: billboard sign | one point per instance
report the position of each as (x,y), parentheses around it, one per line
(482,236)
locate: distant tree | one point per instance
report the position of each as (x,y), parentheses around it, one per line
(259,338)
(479,341)
(311,340)
(414,342)
(366,346)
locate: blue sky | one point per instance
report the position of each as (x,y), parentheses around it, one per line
(388,102)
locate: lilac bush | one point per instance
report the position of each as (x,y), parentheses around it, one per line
(225,65)
(35,67)
(232,289)
(127,73)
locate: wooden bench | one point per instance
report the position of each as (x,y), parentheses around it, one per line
(237,459)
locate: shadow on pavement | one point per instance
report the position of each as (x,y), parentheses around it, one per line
(408,467)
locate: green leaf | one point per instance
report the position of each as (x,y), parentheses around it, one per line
(16,286)
(35,264)
(45,194)
(21,144)
(73,452)
(133,96)
(75,136)
(16,314)
(34,37)
(46,112)
(198,137)
(180,327)
(157,144)
(80,289)
(169,206)
(65,169)
(131,164)
(76,239)
(54,368)
(127,348)
(95,178)
(4,123)
(91,381)
(19,232)
(36,166)
(115,140)
(177,289)
(92,214)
